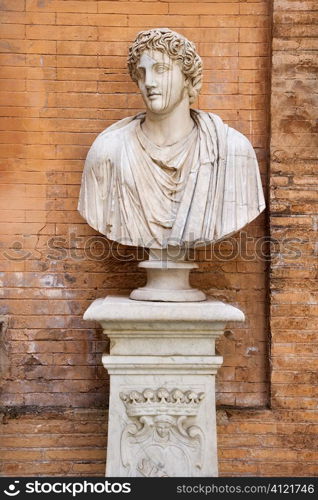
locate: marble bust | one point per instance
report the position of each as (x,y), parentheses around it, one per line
(171,176)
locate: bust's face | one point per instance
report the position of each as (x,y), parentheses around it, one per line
(161,81)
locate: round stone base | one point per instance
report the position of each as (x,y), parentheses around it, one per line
(168,281)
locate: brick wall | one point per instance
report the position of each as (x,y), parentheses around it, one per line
(294,206)
(64,80)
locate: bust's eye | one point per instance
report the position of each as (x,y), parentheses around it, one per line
(161,68)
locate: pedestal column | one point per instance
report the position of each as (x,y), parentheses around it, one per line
(162,368)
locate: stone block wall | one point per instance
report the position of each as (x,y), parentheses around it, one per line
(64,79)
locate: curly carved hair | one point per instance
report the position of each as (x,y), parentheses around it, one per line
(177,47)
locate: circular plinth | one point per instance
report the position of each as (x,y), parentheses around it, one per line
(168,281)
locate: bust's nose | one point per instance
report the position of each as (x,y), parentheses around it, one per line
(149,79)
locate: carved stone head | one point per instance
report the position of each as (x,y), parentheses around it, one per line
(176,48)
(163,424)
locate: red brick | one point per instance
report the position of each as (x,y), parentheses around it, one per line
(151,21)
(133,7)
(52,441)
(250,8)
(91,19)
(27,17)
(12,85)
(219,50)
(92,48)
(257,35)
(253,63)
(75,454)
(60,33)
(12,31)
(61,6)
(14,5)
(95,100)
(254,21)
(91,469)
(226,102)
(77,74)
(253,49)
(28,46)
(13,455)
(236,468)
(36,468)
(204,8)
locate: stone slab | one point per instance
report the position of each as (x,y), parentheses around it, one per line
(121,309)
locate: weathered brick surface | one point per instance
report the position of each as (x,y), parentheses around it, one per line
(52,443)
(63,80)
(72,443)
(294,312)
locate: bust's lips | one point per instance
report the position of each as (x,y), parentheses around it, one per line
(153,94)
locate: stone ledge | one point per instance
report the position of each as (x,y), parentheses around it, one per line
(124,310)
(163,365)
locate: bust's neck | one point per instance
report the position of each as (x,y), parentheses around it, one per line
(166,129)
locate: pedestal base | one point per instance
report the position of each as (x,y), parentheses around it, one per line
(162,367)
(168,281)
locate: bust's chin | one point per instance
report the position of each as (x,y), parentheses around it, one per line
(155,105)
(161,105)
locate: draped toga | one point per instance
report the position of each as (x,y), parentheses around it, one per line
(194,192)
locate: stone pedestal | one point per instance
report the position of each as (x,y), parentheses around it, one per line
(168,281)
(162,367)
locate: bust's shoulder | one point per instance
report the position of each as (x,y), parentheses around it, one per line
(109,142)
(120,127)
(237,143)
